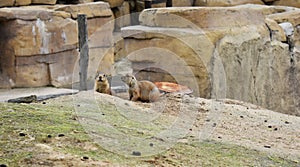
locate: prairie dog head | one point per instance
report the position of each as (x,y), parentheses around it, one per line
(100,77)
(129,79)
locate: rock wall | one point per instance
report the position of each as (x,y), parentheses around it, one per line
(39,43)
(240,52)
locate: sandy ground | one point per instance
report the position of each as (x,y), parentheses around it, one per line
(228,121)
(184,119)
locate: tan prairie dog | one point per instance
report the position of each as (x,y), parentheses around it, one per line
(144,91)
(102,84)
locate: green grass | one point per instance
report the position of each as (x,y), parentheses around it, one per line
(23,126)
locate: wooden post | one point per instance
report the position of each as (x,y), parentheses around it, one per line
(148,4)
(83,49)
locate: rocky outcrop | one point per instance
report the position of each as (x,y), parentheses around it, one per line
(237,52)
(39,44)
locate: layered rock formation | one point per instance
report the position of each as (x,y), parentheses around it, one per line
(39,44)
(241,52)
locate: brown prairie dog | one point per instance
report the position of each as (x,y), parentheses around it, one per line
(102,84)
(144,91)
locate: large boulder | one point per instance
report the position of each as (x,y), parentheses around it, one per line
(39,44)
(220,52)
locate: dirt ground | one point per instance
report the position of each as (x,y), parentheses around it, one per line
(92,129)
(225,121)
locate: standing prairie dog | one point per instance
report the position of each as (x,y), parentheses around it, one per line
(102,84)
(144,91)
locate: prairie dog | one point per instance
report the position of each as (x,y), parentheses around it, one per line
(144,91)
(102,84)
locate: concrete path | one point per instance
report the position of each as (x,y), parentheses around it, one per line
(41,93)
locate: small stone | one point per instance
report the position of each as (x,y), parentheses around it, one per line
(136,153)
(22,134)
(61,135)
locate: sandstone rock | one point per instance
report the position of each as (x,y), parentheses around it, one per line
(225,3)
(100,32)
(226,55)
(34,75)
(122,16)
(46,37)
(96,9)
(292,16)
(140,5)
(56,69)
(200,17)
(6,3)
(276,32)
(114,3)
(22,2)
(178,3)
(294,3)
(48,2)
(61,67)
